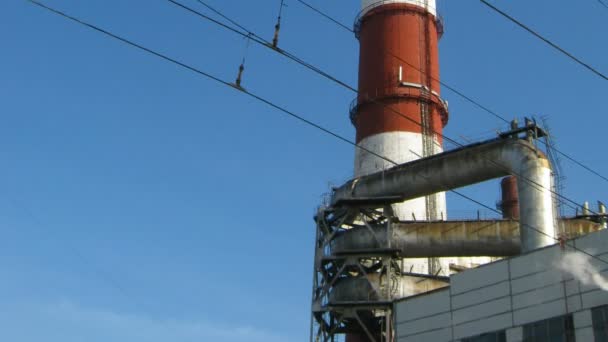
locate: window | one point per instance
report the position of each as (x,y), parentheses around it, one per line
(558,329)
(498,336)
(600,322)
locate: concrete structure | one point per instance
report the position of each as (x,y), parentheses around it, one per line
(512,297)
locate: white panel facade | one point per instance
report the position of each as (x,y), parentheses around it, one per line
(483,325)
(424,306)
(539,312)
(481,277)
(535,262)
(482,295)
(505,296)
(584,326)
(481,311)
(444,334)
(515,334)
(538,296)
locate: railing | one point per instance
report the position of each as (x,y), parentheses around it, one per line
(359,17)
(414,91)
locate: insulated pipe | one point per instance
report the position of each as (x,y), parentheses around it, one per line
(470,165)
(372,287)
(433,239)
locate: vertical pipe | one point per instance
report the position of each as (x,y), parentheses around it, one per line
(537,226)
(510,198)
(586,211)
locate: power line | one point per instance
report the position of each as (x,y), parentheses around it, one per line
(326,16)
(447,86)
(209,76)
(565,200)
(550,43)
(263,100)
(603,3)
(573,204)
(457,92)
(257,39)
(464,96)
(579,163)
(293,57)
(218,80)
(222,15)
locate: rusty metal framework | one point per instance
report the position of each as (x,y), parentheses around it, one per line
(353,291)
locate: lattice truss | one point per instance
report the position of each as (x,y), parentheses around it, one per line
(353,291)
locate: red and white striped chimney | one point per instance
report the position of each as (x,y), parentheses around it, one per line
(399,113)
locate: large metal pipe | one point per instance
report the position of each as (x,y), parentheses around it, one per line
(470,165)
(497,238)
(373,287)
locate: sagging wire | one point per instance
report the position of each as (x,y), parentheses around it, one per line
(268,102)
(263,42)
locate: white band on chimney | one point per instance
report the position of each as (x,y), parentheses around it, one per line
(430,5)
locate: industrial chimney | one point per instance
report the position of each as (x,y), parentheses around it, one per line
(384,235)
(399,113)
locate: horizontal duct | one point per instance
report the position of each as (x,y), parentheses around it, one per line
(466,166)
(496,238)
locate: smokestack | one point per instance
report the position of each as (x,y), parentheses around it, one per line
(399,76)
(510,198)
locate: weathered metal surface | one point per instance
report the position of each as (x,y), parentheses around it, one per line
(496,238)
(372,287)
(359,269)
(342,283)
(435,239)
(467,166)
(398,47)
(399,147)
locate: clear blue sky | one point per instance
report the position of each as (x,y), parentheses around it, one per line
(140,202)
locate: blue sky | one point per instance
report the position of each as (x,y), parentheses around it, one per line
(141,202)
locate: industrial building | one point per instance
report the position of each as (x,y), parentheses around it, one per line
(389,263)
(523,298)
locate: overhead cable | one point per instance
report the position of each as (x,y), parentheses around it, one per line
(464,96)
(603,3)
(326,16)
(550,43)
(221,15)
(573,204)
(218,80)
(263,100)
